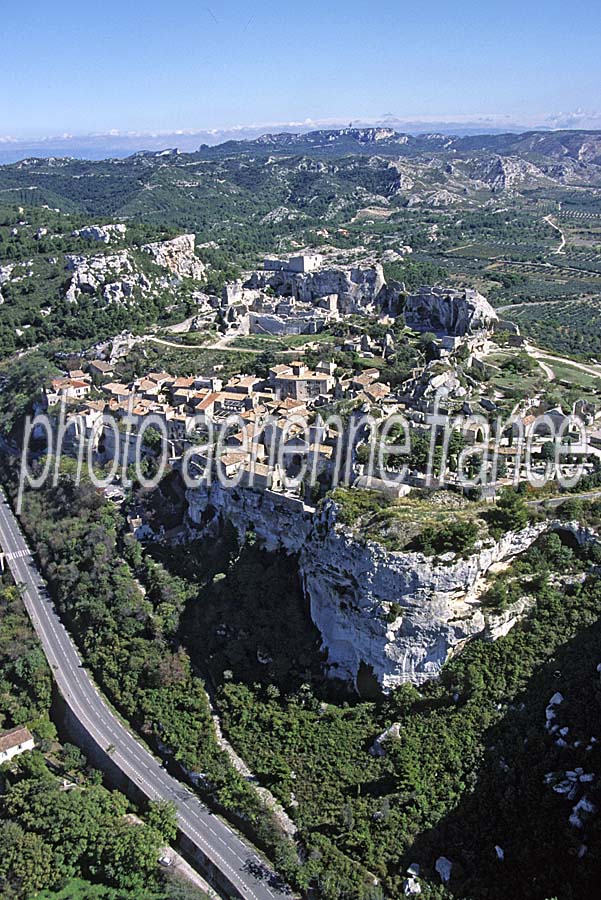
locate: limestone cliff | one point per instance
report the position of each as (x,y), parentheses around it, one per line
(177,256)
(357,289)
(113,277)
(449,312)
(400,614)
(118,277)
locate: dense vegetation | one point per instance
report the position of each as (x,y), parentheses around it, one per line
(61,831)
(403,808)
(34,309)
(25,683)
(473,744)
(429,522)
(21,383)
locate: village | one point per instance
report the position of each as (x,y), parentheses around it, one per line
(301,430)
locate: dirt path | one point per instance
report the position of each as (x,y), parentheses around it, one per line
(223,344)
(220,345)
(509,306)
(539,355)
(561,247)
(547,370)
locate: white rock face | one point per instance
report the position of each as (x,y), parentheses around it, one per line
(454,313)
(114,274)
(177,256)
(359,290)
(391,734)
(583,810)
(434,198)
(115,277)
(504,173)
(103,234)
(5,273)
(351,586)
(280,523)
(411,887)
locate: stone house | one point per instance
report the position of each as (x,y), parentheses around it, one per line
(14,742)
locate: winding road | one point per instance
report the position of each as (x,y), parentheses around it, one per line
(236,860)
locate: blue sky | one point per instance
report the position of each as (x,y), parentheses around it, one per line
(87,67)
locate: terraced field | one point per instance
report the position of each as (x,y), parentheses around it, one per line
(567,327)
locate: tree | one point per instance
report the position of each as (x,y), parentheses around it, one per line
(548,451)
(264,363)
(32,867)
(509,514)
(456,537)
(162,816)
(129,855)
(153,439)
(73,758)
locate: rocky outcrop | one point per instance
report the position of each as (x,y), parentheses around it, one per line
(505,173)
(119,277)
(177,256)
(5,273)
(447,312)
(102,234)
(434,198)
(280,522)
(398,615)
(112,278)
(357,289)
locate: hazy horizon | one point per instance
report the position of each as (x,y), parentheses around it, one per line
(114,143)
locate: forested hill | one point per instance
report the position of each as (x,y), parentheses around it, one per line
(311,175)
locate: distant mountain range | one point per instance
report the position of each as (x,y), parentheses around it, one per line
(116,144)
(579,146)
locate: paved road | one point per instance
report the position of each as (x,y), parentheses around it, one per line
(227,851)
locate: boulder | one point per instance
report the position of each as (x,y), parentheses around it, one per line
(411,887)
(444,866)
